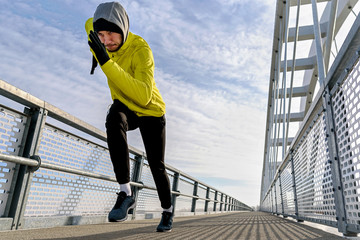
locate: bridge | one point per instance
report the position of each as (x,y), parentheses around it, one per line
(55,169)
(311,164)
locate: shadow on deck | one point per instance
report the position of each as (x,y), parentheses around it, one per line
(235,225)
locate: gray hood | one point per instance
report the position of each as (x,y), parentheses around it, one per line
(115,13)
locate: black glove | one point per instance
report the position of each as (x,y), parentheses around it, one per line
(98,47)
(94,65)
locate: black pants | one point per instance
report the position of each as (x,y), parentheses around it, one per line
(119,120)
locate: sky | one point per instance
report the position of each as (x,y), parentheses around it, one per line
(212,66)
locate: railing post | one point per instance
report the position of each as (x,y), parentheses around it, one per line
(273,201)
(294,186)
(175,188)
(215,202)
(207,199)
(195,191)
(225,203)
(221,202)
(335,165)
(229,204)
(281,195)
(31,142)
(136,177)
(275,198)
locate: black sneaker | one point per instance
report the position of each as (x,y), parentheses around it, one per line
(123,204)
(165,224)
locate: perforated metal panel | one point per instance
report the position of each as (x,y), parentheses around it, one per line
(58,193)
(211,204)
(278,196)
(63,149)
(346,106)
(183,204)
(12,126)
(267,203)
(287,190)
(201,191)
(219,199)
(148,199)
(200,204)
(185,186)
(313,175)
(146,176)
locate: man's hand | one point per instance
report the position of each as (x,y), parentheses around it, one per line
(98,47)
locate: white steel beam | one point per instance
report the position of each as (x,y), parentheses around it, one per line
(300,64)
(296,92)
(295,117)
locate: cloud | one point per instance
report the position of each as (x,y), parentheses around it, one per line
(207,42)
(52,65)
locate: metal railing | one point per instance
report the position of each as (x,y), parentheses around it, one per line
(49,176)
(315,175)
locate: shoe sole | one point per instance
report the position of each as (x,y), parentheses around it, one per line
(122,220)
(163,230)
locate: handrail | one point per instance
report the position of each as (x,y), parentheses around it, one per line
(32,162)
(24,98)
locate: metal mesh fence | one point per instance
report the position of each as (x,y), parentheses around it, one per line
(288,191)
(346,107)
(313,175)
(12,126)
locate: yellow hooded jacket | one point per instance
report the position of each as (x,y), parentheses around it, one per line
(130,74)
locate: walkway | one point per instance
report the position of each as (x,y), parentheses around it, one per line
(239,225)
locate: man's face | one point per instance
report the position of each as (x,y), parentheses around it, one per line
(111,40)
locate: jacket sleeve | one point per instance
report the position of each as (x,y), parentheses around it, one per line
(89,27)
(139,86)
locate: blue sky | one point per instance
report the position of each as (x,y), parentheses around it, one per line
(212,61)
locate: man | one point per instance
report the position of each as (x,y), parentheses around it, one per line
(127,61)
